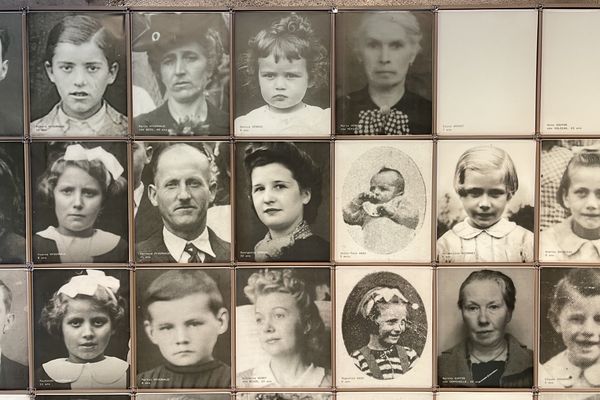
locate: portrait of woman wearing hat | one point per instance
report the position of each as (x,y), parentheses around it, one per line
(180,71)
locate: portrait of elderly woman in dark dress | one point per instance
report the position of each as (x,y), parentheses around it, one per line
(285,186)
(385,46)
(12,242)
(488,357)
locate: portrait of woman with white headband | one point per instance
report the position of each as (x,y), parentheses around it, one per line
(77,184)
(88,316)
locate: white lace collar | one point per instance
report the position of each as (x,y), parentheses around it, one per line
(110,372)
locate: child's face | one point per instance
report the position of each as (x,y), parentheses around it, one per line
(384,186)
(579,325)
(86,331)
(391,322)
(81,74)
(283,84)
(485,197)
(583,196)
(279,323)
(185,330)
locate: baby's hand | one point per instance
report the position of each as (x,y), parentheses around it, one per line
(385,210)
(367,196)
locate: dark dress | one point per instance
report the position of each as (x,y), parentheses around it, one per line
(45,251)
(159,122)
(417,109)
(12,248)
(311,249)
(13,376)
(11,124)
(213,374)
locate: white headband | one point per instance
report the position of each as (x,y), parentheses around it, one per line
(76,152)
(88,284)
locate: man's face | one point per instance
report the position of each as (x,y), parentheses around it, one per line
(184,72)
(6,317)
(182,190)
(3,64)
(81,74)
(142,155)
(185,330)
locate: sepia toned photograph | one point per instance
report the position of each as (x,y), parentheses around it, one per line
(180,74)
(487,315)
(486,71)
(384,74)
(11,74)
(384,396)
(569,84)
(382,204)
(569,200)
(385,317)
(488,395)
(81,329)
(182,202)
(568,396)
(283,201)
(14,315)
(12,204)
(485,201)
(77,74)
(183,328)
(283,325)
(282,73)
(183,396)
(83,397)
(284,396)
(569,332)
(79,198)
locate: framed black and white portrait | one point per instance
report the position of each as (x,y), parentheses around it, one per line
(283,201)
(77,74)
(570,201)
(83,397)
(284,396)
(384,396)
(485,201)
(183,328)
(384,72)
(11,74)
(383,201)
(282,79)
(12,203)
(487,315)
(184,396)
(79,192)
(181,202)
(488,395)
(486,72)
(14,336)
(569,357)
(180,73)
(283,327)
(568,396)
(384,318)
(81,329)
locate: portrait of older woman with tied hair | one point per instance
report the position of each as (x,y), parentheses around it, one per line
(384,45)
(489,356)
(285,187)
(290,330)
(189,73)
(76,186)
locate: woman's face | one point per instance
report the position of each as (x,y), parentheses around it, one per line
(86,331)
(184,72)
(485,313)
(279,323)
(278,200)
(386,52)
(77,201)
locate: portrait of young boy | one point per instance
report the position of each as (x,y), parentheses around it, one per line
(186,318)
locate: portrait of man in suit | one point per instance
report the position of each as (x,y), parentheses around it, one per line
(182,190)
(13,375)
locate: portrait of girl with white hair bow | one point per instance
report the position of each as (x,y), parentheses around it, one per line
(80,182)
(82,340)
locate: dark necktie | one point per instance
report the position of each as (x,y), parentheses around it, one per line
(194,253)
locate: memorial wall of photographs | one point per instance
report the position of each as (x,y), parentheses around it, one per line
(309,204)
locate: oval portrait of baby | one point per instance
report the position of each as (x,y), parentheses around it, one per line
(384,325)
(383,200)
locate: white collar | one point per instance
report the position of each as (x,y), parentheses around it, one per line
(500,229)
(93,123)
(569,375)
(104,372)
(175,245)
(76,249)
(138,193)
(312,377)
(568,240)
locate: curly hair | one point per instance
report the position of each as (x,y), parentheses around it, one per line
(583,159)
(56,309)
(582,281)
(293,38)
(95,168)
(286,281)
(303,168)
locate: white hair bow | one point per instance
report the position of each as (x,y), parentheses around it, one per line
(88,284)
(376,295)
(76,152)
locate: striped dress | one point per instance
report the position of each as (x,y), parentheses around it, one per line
(384,364)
